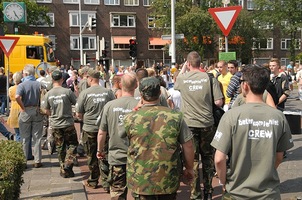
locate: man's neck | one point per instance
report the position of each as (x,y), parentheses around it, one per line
(150,102)
(254,98)
(56,84)
(127,94)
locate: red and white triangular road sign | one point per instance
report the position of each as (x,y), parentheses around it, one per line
(7,44)
(225,17)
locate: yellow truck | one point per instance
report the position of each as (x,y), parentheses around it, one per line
(34,49)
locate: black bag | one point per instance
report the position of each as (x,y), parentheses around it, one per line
(217,111)
(217,114)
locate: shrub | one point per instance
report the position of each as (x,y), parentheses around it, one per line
(12,166)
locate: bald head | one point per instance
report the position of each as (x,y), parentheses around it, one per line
(129,82)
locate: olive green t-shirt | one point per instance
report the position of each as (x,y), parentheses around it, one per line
(196,98)
(252,134)
(112,121)
(91,102)
(59,101)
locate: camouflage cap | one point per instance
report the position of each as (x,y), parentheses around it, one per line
(56,75)
(93,73)
(150,87)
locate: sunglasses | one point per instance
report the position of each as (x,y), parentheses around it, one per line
(241,81)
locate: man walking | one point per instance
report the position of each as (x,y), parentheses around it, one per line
(155,135)
(30,119)
(58,105)
(112,124)
(256,135)
(280,81)
(196,104)
(89,106)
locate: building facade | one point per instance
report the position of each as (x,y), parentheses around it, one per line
(118,21)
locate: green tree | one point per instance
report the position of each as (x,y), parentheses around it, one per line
(193,20)
(242,37)
(201,31)
(35,13)
(286,18)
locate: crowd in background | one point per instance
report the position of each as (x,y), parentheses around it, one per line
(228,76)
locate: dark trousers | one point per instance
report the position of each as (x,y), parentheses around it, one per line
(202,142)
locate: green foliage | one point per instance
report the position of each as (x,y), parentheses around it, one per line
(201,31)
(35,13)
(286,17)
(12,166)
(244,28)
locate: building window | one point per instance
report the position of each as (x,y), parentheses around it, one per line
(54,41)
(42,23)
(121,42)
(119,20)
(157,43)
(151,22)
(148,2)
(94,2)
(250,5)
(284,61)
(74,20)
(71,1)
(44,1)
(112,2)
(263,44)
(131,2)
(263,25)
(89,43)
(285,44)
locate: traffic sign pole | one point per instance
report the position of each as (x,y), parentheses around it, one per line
(226,41)
(7,86)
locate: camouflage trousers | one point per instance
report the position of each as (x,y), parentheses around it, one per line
(202,140)
(104,172)
(104,166)
(90,145)
(66,142)
(155,197)
(117,180)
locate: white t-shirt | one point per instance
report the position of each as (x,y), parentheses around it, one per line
(175,97)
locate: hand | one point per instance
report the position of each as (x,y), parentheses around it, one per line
(188,176)
(100,155)
(138,106)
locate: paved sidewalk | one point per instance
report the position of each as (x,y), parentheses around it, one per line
(46,182)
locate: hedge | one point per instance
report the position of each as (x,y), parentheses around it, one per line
(12,166)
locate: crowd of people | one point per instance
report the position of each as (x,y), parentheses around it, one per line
(146,129)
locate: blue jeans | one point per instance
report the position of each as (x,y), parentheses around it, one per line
(3,99)
(17,136)
(4,131)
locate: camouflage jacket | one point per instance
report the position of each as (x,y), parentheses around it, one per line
(153,160)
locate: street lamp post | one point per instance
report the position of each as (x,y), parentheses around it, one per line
(173,60)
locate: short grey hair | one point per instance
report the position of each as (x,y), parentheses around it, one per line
(17,77)
(29,69)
